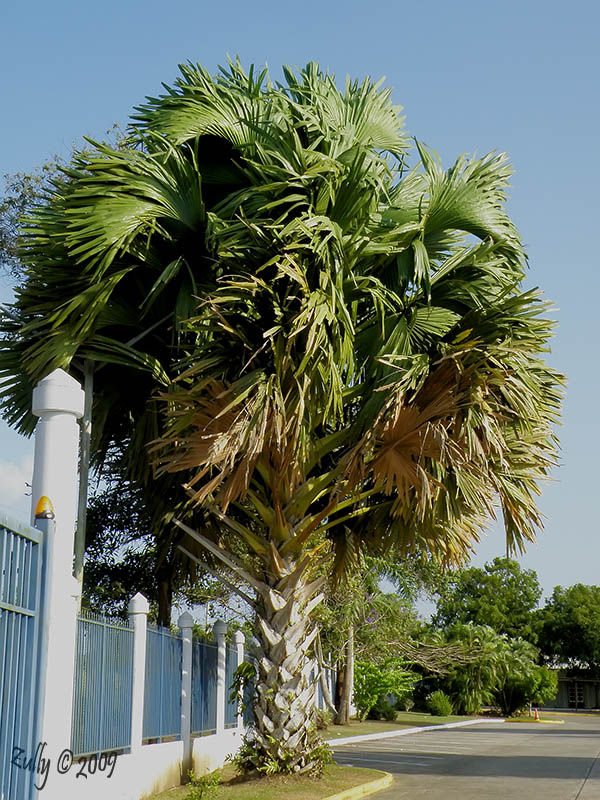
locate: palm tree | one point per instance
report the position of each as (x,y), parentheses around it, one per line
(346,360)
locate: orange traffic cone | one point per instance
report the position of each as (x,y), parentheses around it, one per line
(536,715)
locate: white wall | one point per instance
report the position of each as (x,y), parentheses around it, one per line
(153,768)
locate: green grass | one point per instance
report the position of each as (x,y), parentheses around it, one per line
(336,779)
(405,719)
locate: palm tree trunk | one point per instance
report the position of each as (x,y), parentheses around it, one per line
(165,595)
(165,604)
(285,735)
(339,688)
(347,681)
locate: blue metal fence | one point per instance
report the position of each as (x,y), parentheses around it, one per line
(248,697)
(162,690)
(102,700)
(21,592)
(204,688)
(103,685)
(231,707)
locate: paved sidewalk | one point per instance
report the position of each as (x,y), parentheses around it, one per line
(407,731)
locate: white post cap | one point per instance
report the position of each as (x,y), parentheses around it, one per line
(58,392)
(138,605)
(220,628)
(239,637)
(185,620)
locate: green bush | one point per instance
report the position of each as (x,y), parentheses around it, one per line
(204,787)
(388,711)
(438,704)
(518,691)
(503,672)
(372,681)
(322,719)
(383,709)
(406,703)
(545,686)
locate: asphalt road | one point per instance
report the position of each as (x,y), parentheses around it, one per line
(488,761)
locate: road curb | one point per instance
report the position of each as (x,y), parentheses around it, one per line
(369,737)
(538,721)
(364,789)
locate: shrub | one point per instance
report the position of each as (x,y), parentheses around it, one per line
(371,681)
(519,690)
(439,705)
(383,709)
(204,787)
(545,686)
(406,703)
(322,719)
(388,711)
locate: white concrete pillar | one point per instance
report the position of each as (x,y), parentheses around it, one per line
(219,634)
(185,623)
(58,402)
(138,613)
(239,643)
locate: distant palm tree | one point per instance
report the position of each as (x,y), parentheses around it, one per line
(345,357)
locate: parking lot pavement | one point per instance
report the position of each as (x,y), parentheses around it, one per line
(488,762)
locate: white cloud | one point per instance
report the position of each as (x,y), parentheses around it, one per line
(14,477)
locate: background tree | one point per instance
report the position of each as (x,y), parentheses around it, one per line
(503,672)
(501,595)
(570,629)
(377,624)
(347,360)
(22,192)
(124,556)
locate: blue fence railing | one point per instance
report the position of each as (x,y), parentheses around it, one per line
(21,590)
(204,688)
(103,685)
(102,700)
(162,688)
(231,707)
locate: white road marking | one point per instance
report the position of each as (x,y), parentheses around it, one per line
(403,761)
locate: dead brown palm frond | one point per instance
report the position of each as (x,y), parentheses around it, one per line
(214,442)
(409,434)
(219,432)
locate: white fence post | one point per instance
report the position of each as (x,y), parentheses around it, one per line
(239,643)
(185,623)
(219,634)
(58,402)
(138,613)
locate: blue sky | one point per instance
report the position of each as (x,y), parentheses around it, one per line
(520,77)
